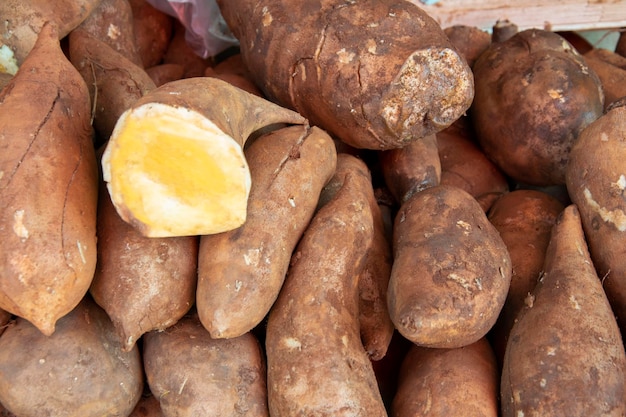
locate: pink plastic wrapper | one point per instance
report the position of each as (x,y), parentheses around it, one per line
(206,31)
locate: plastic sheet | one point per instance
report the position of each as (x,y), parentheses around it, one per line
(206,31)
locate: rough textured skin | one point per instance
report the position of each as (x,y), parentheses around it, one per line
(448,382)
(465,165)
(112,22)
(153,31)
(565,355)
(451,270)
(412,168)
(142,283)
(317,365)
(575,38)
(194,375)
(49,188)
(375,74)
(375,324)
(534,95)
(115,83)
(240,272)
(79,371)
(596,179)
(524,219)
(23,19)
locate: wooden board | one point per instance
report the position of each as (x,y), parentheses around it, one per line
(551,15)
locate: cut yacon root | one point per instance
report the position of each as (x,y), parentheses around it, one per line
(174,165)
(174,174)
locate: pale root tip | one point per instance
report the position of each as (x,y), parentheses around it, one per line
(432,90)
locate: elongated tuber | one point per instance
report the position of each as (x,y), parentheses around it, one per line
(375,325)
(317,365)
(174,164)
(193,375)
(79,371)
(565,354)
(453,382)
(142,283)
(115,83)
(596,183)
(376,74)
(412,168)
(22,21)
(451,270)
(49,187)
(240,272)
(534,95)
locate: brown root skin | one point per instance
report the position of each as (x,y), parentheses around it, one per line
(595,183)
(142,283)
(461,381)
(99,378)
(470,41)
(611,69)
(148,406)
(193,374)
(312,337)
(236,79)
(465,165)
(620,47)
(241,271)
(147,161)
(579,42)
(502,30)
(524,219)
(111,22)
(376,327)
(377,75)
(164,73)
(565,354)
(412,168)
(48,220)
(153,31)
(534,95)
(180,52)
(23,19)
(451,270)
(252,112)
(115,83)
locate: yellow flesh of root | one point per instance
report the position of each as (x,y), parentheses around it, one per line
(175,173)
